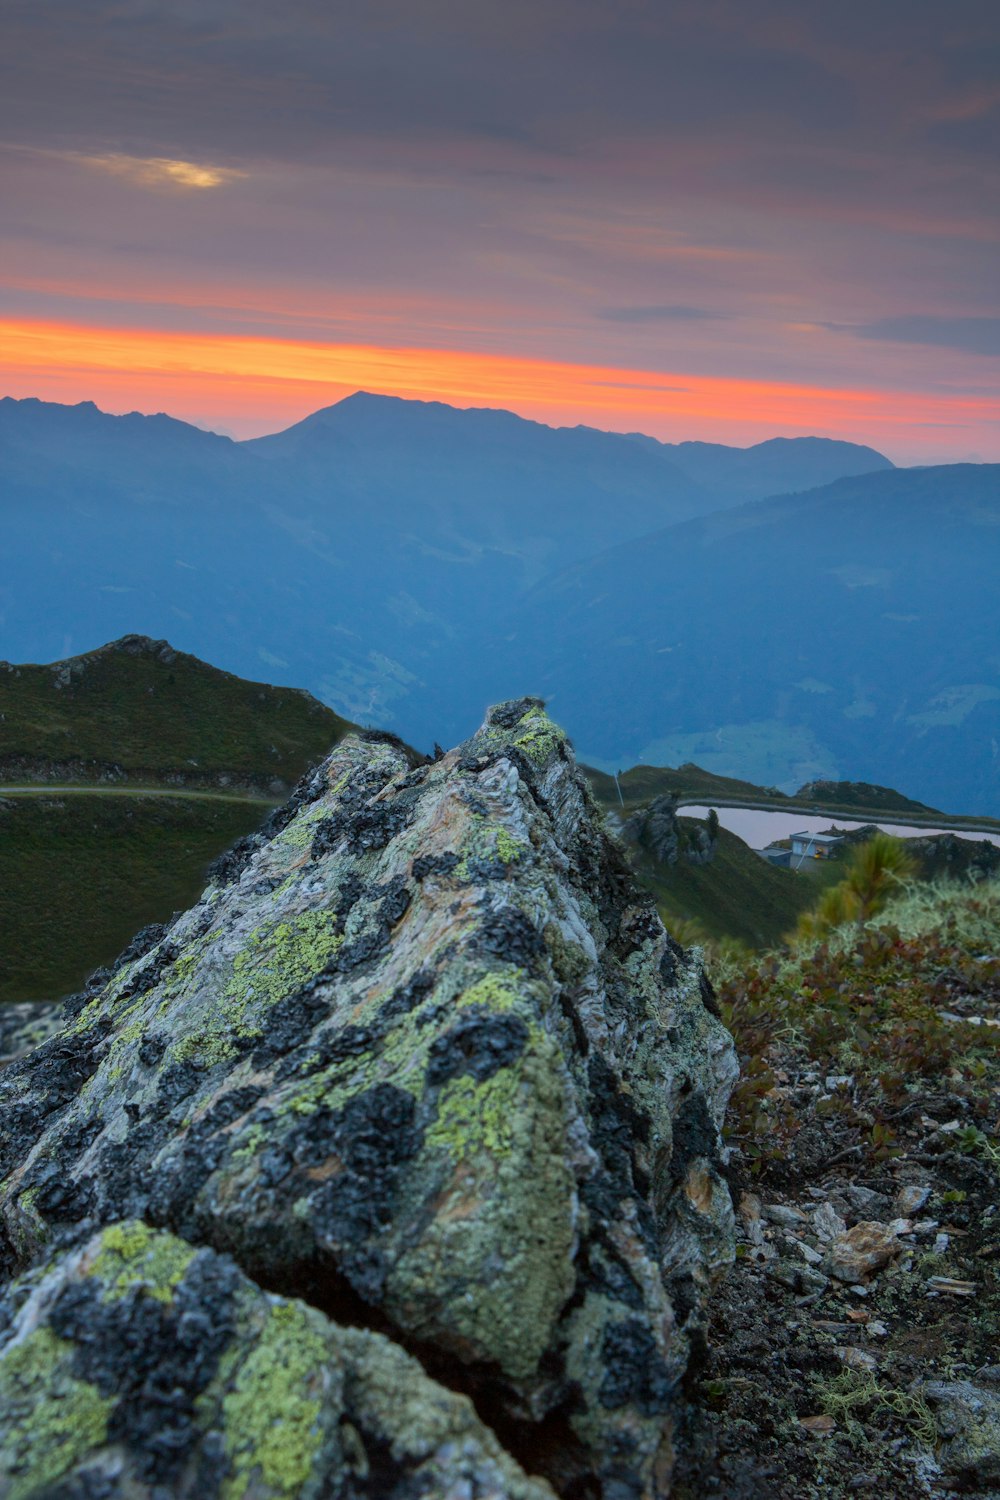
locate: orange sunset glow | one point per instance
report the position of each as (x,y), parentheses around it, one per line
(255,384)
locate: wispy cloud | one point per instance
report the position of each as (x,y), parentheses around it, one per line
(162,171)
(656,313)
(969,335)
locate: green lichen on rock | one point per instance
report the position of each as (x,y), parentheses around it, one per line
(474,1117)
(272,1413)
(276,962)
(537,736)
(261,1396)
(49,1421)
(134,1256)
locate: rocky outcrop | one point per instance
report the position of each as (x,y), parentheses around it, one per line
(137,1365)
(424,1057)
(658,831)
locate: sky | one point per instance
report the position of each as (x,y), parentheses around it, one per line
(703,219)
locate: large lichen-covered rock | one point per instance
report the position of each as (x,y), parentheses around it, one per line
(425,1056)
(137,1366)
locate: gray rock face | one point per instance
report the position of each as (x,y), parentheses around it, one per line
(424,1056)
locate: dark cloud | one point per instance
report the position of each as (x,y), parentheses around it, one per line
(969,335)
(658,312)
(245,76)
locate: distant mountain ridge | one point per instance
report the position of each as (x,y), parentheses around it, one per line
(351,553)
(408,562)
(735,476)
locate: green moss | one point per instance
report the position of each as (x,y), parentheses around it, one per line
(502,1239)
(205,1047)
(274,962)
(133,1255)
(273,1416)
(277,961)
(254,1139)
(854,1391)
(301,831)
(52,1420)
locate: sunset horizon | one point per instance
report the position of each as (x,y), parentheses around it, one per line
(245,387)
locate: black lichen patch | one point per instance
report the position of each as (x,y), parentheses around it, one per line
(151,1049)
(42,1083)
(636,1372)
(393,902)
(59,1197)
(409,995)
(477,1045)
(608,1273)
(368,945)
(708,998)
(639,927)
(363,828)
(178,1081)
(694,1135)
(154,1360)
(373,1137)
(616,1124)
(290,1022)
(150,971)
(414,759)
(510,935)
(507,715)
(326,1050)
(306,790)
(228,868)
(433,864)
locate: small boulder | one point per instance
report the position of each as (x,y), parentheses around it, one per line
(858,1253)
(968,1419)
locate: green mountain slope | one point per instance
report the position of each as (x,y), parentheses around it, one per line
(137,710)
(80,875)
(166,762)
(692,784)
(736,895)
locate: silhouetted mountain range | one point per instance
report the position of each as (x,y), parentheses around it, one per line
(408,562)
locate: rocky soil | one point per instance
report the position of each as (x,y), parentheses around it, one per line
(854,1349)
(391,1168)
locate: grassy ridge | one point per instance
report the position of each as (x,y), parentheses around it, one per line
(160,716)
